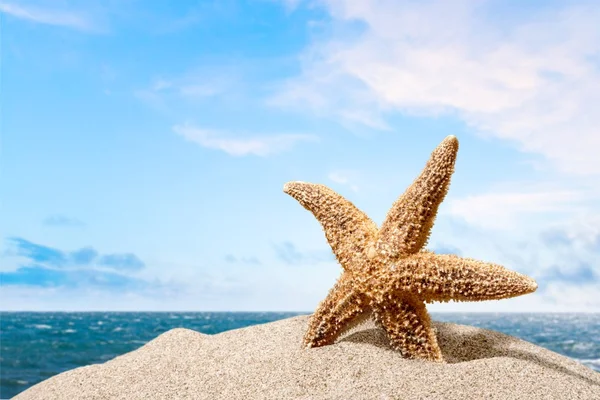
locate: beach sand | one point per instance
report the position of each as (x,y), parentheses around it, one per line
(267,362)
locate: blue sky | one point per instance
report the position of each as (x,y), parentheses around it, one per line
(144,145)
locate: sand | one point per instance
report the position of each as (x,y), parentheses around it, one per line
(267,362)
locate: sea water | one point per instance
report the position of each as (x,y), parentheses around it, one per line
(36,346)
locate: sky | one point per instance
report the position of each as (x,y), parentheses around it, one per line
(144,145)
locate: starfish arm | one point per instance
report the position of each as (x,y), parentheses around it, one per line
(340,311)
(348,230)
(408,224)
(444,277)
(408,327)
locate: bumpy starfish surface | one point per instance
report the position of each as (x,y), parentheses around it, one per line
(387,274)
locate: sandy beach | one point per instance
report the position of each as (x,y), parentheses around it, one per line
(267,362)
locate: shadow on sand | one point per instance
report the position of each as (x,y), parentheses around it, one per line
(460,345)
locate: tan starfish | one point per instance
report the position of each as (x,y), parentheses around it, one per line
(387,275)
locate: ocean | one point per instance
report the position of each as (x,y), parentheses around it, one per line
(36,346)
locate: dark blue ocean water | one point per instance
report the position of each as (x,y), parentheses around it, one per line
(36,346)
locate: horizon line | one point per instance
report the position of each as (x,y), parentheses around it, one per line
(288,312)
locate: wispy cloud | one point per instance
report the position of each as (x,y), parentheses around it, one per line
(562,256)
(502,209)
(39,253)
(574,261)
(195,85)
(582,273)
(34,276)
(343,178)
(568,297)
(84,256)
(289,254)
(62,220)
(47,266)
(533,81)
(230,258)
(126,261)
(565,253)
(47,277)
(38,15)
(235,146)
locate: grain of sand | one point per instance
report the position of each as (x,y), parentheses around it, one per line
(267,362)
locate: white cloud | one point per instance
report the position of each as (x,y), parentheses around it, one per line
(201,82)
(199,90)
(502,210)
(566,297)
(258,145)
(152,99)
(343,178)
(161,84)
(190,86)
(533,80)
(49,17)
(563,257)
(174,93)
(527,204)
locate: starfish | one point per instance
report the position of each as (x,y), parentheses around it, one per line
(387,274)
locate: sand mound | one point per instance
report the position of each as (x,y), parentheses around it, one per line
(267,362)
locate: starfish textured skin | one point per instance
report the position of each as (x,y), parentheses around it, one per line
(387,274)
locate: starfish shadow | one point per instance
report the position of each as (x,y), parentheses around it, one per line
(371,336)
(459,347)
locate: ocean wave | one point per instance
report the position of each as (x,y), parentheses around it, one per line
(42,326)
(69,331)
(583,346)
(593,361)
